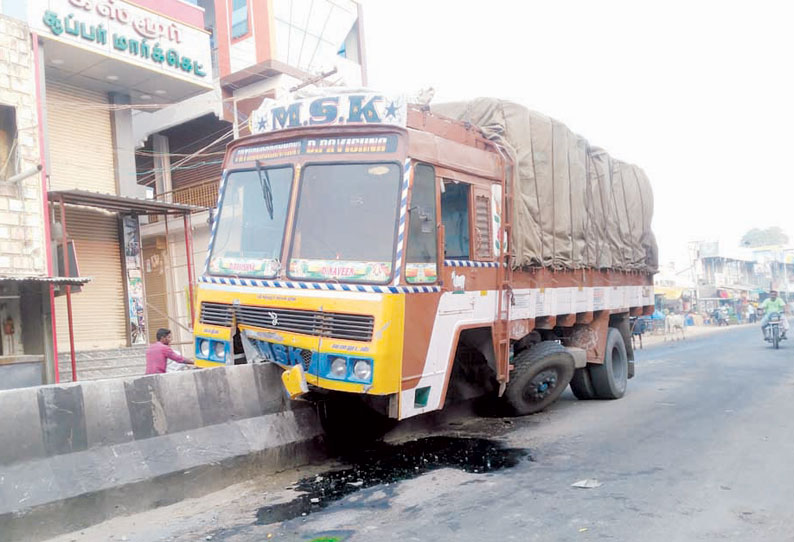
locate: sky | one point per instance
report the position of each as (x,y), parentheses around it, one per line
(698,94)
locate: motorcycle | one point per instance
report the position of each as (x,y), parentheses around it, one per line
(772,332)
(720,318)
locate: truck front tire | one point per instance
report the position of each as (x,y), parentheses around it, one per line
(348,422)
(541,374)
(610,378)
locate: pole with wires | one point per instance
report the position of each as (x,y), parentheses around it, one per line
(187,158)
(189,258)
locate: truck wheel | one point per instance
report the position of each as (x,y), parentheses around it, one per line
(609,379)
(541,374)
(582,385)
(348,422)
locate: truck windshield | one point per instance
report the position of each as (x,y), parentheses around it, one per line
(346,222)
(248,238)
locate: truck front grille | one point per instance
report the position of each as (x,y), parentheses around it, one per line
(354,327)
(216,314)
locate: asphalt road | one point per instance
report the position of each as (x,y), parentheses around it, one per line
(700,448)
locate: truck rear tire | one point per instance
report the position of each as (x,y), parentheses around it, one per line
(582,385)
(610,378)
(540,376)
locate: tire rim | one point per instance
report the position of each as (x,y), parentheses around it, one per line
(542,385)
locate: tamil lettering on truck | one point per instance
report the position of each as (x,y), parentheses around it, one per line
(407,257)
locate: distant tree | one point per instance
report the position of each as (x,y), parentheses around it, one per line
(757,237)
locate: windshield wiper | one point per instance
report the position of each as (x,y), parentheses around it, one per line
(267,190)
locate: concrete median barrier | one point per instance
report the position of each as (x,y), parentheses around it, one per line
(76,454)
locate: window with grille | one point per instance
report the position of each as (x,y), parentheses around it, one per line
(482,227)
(8,142)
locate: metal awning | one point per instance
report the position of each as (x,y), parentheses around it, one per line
(122,204)
(72,281)
(670,292)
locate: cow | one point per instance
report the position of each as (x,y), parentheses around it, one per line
(672,324)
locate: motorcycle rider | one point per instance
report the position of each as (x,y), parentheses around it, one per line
(770,305)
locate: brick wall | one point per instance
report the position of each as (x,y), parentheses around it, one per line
(22,248)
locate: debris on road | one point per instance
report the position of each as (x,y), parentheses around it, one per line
(384,464)
(587,483)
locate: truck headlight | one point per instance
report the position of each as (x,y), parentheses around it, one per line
(338,368)
(362,369)
(220,350)
(204,348)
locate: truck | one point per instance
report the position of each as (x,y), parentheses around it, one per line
(403,256)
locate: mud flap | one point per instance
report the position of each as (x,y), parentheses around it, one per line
(294,381)
(631,370)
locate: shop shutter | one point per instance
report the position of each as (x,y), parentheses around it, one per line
(80,139)
(156,285)
(99,309)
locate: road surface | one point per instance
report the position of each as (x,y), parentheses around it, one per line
(701,448)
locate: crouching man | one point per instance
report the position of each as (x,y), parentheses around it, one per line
(158,353)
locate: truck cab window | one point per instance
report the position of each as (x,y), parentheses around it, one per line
(421,255)
(346,222)
(248,238)
(455,217)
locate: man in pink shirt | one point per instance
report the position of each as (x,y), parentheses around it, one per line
(158,354)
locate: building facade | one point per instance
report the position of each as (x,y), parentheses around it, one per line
(106,100)
(22,244)
(75,71)
(23,248)
(730,277)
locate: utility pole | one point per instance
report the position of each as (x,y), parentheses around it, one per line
(785,272)
(693,259)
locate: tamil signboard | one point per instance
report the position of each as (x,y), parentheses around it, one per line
(341,109)
(127,32)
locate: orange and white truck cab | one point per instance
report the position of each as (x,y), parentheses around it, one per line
(361,244)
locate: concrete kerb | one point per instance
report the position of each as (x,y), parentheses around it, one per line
(692,332)
(76,454)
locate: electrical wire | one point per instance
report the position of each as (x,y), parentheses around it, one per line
(149,176)
(146,179)
(182,161)
(152,154)
(179,168)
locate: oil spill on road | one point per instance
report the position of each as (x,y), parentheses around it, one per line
(388,463)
